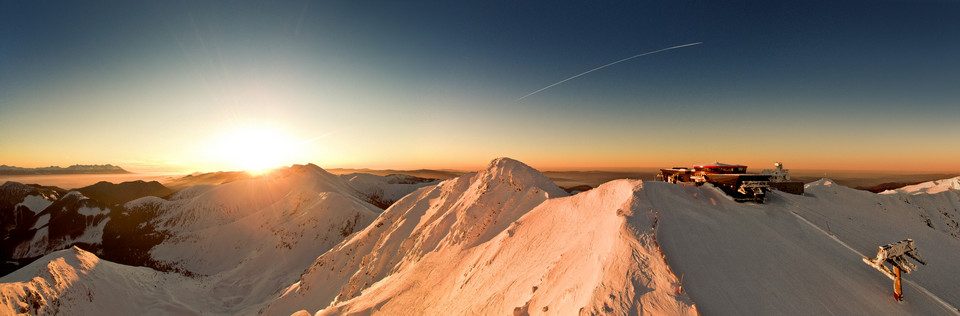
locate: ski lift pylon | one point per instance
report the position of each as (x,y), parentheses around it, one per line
(894,254)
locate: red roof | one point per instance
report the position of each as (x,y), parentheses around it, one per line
(719,165)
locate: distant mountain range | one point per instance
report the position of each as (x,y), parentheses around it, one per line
(74,169)
(36,220)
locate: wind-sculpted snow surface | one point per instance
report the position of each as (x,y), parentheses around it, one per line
(780,257)
(494,242)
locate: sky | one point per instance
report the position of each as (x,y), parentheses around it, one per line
(206,86)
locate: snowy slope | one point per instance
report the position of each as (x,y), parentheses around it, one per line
(507,240)
(233,247)
(76,282)
(866,221)
(20,220)
(35,203)
(748,259)
(34,197)
(930,187)
(38,220)
(594,251)
(206,206)
(492,243)
(72,219)
(249,238)
(935,203)
(20,204)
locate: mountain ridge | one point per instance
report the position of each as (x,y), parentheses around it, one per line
(506,239)
(73,169)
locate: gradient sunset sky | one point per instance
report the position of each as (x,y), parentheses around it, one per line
(183,86)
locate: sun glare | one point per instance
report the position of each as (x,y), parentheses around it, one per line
(256,150)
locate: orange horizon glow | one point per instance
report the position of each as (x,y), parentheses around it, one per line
(167,170)
(753,167)
(256,150)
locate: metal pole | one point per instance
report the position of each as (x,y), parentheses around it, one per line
(897,291)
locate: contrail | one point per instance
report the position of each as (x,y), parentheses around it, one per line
(315,139)
(605,66)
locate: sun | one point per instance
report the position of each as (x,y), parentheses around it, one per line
(255,149)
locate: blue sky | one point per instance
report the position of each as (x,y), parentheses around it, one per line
(823,84)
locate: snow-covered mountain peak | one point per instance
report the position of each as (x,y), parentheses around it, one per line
(74,195)
(826,182)
(76,282)
(301,170)
(310,176)
(306,168)
(518,175)
(442,220)
(310,170)
(251,235)
(54,265)
(929,187)
(86,259)
(456,248)
(508,166)
(201,207)
(828,189)
(16,191)
(17,188)
(18,200)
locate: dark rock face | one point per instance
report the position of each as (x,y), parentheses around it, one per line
(70,217)
(407,179)
(17,220)
(886,186)
(130,235)
(92,218)
(14,216)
